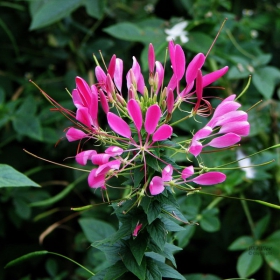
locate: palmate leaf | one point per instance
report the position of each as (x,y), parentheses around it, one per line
(157,233)
(131,264)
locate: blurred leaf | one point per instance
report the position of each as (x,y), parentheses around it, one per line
(9,177)
(125,31)
(202,277)
(183,237)
(199,42)
(264,79)
(96,230)
(261,226)
(270,250)
(95,8)
(52,11)
(209,221)
(51,267)
(22,208)
(241,243)
(248,263)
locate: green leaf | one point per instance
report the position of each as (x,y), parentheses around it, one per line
(209,221)
(170,224)
(183,237)
(9,177)
(53,11)
(111,251)
(202,277)
(248,263)
(271,252)
(198,42)
(152,162)
(95,8)
(138,247)
(154,211)
(169,272)
(158,233)
(95,230)
(169,250)
(22,208)
(138,176)
(153,272)
(115,271)
(261,226)
(25,257)
(264,79)
(125,31)
(241,243)
(131,265)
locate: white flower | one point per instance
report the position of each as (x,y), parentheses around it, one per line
(177,31)
(244,163)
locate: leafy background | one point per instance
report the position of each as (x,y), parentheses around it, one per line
(51,42)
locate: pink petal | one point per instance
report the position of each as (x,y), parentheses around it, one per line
(84,156)
(100,159)
(77,99)
(156,185)
(210,178)
(222,109)
(84,90)
(83,116)
(151,58)
(74,134)
(214,76)
(118,125)
(162,133)
(153,115)
(109,86)
(104,168)
(136,230)
(203,133)
(118,74)
(96,181)
(135,113)
(172,82)
(187,172)
(93,108)
(171,49)
(114,151)
(226,140)
(160,72)
(167,173)
(234,116)
(100,75)
(112,66)
(103,101)
(170,101)
(240,128)
(196,63)
(138,76)
(179,62)
(195,148)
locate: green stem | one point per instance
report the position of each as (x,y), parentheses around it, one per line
(248,215)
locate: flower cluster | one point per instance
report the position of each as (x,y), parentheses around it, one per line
(139,127)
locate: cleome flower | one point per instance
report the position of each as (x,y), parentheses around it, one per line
(138,131)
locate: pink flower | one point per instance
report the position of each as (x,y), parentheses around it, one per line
(156,185)
(136,230)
